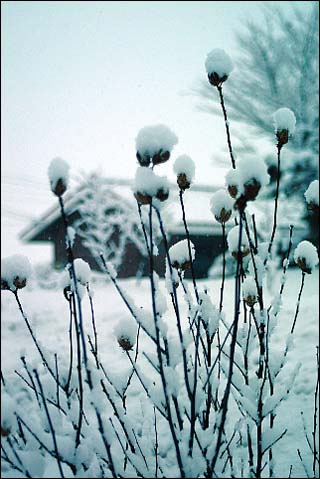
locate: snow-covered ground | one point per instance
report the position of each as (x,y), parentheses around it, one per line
(47,311)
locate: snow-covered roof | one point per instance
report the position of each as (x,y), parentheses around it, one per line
(197,206)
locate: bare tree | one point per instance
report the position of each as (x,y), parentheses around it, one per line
(278,66)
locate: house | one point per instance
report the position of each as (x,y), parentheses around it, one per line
(104,214)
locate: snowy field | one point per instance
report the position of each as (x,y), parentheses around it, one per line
(47,311)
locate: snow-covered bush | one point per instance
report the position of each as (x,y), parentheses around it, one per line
(209,387)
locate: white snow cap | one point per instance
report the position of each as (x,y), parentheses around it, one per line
(284,119)
(221,199)
(249,288)
(151,139)
(312,193)
(82,270)
(232,177)
(15,270)
(148,183)
(249,168)
(218,61)
(179,252)
(233,240)
(126,331)
(184,164)
(58,170)
(307,253)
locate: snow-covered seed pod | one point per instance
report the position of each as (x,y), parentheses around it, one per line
(15,272)
(219,66)
(306,256)
(179,255)
(142,198)
(252,175)
(233,240)
(148,185)
(232,182)
(58,173)
(125,333)
(284,123)
(251,189)
(154,145)
(249,292)
(184,168)
(125,343)
(312,196)
(221,206)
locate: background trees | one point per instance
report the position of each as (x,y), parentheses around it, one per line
(278,66)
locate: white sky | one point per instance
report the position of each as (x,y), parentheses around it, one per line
(79,79)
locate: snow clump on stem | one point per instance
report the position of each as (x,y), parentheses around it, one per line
(82,271)
(15,272)
(306,256)
(148,185)
(154,144)
(219,66)
(125,333)
(233,240)
(58,173)
(184,168)
(252,176)
(249,291)
(179,254)
(221,206)
(312,196)
(284,123)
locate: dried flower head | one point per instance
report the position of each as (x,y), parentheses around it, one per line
(219,66)
(306,256)
(249,291)
(125,332)
(284,123)
(179,255)
(233,243)
(125,343)
(312,196)
(184,168)
(148,185)
(154,144)
(221,206)
(15,272)
(58,173)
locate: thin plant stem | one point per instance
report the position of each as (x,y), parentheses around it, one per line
(223,226)
(160,359)
(275,211)
(189,244)
(50,423)
(225,399)
(45,362)
(226,123)
(70,346)
(298,303)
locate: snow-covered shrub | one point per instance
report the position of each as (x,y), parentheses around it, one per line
(202,399)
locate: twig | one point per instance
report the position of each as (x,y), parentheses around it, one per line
(274,227)
(303,274)
(55,445)
(226,123)
(189,244)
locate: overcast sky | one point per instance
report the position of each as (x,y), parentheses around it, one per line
(79,79)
